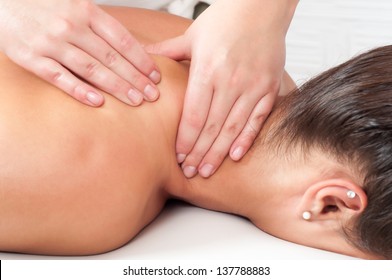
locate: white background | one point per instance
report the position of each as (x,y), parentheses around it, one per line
(323,32)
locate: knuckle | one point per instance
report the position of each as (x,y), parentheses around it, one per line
(247,138)
(253,128)
(127,42)
(111,58)
(232,129)
(52,75)
(157,48)
(195,121)
(256,121)
(60,29)
(220,156)
(235,80)
(202,76)
(215,157)
(136,79)
(41,44)
(250,134)
(212,129)
(195,157)
(23,55)
(118,85)
(91,69)
(78,92)
(183,146)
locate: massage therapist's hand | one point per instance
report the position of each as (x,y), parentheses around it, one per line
(237,53)
(77,47)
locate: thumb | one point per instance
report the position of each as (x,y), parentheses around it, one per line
(176,48)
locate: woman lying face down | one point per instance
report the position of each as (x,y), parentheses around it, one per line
(329,146)
(318,174)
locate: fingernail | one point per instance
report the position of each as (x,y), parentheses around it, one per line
(237,153)
(189,171)
(180,158)
(155,76)
(94,98)
(151,93)
(206,170)
(135,97)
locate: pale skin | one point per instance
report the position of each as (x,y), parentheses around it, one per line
(76,46)
(69,172)
(236,50)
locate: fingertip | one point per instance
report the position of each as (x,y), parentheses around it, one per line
(189,171)
(155,76)
(176,48)
(151,93)
(183,148)
(94,99)
(206,170)
(237,153)
(135,97)
(181,158)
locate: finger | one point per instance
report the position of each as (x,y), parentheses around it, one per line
(176,48)
(196,106)
(110,58)
(95,72)
(54,73)
(220,109)
(113,32)
(252,128)
(231,129)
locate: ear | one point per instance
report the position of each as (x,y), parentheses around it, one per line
(333,201)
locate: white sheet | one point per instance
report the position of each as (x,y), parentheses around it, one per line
(186,232)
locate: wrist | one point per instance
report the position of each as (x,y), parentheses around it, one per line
(271,14)
(277,13)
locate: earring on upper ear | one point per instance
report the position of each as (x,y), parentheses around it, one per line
(306,215)
(351,194)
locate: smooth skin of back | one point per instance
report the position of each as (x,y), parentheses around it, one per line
(80,180)
(77,180)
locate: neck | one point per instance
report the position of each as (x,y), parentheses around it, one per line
(234,188)
(240,188)
(225,191)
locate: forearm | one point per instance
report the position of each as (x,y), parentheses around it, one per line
(276,14)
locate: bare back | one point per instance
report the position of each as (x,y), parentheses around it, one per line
(69,172)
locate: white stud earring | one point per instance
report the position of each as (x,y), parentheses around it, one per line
(306,215)
(351,194)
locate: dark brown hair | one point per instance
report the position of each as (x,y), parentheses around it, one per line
(347,112)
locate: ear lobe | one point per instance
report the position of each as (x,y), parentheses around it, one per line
(333,200)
